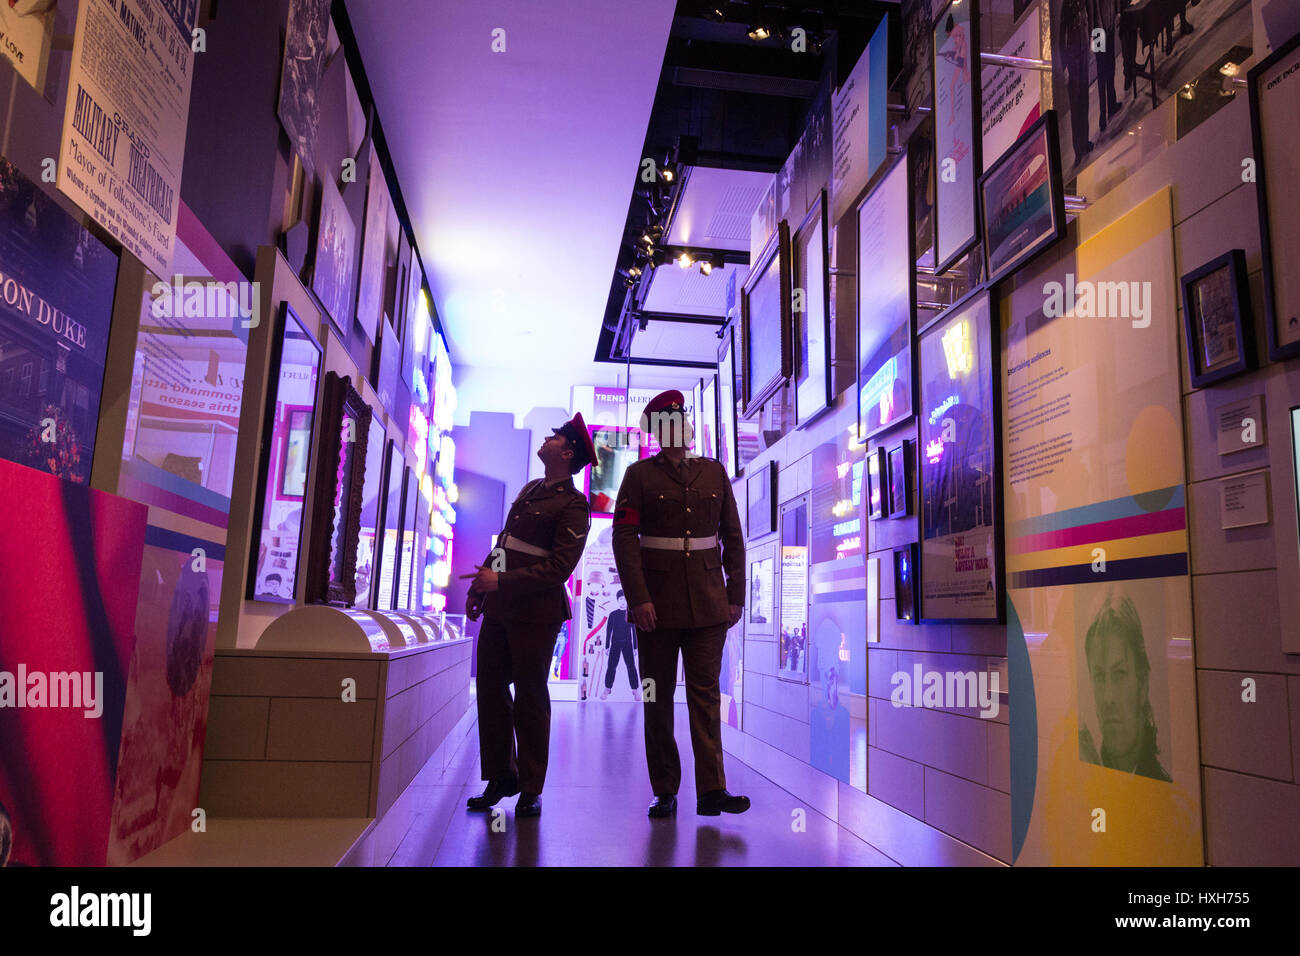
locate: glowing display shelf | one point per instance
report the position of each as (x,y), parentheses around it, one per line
(332,714)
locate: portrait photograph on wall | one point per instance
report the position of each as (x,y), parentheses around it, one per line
(1022,201)
(1274,87)
(380,219)
(305,44)
(959,515)
(811,294)
(765,322)
(336,257)
(1217,320)
(957,129)
(886,303)
(285,460)
(54,318)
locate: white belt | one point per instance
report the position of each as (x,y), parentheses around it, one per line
(511,543)
(679,544)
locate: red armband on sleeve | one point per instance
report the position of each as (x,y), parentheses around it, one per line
(629,516)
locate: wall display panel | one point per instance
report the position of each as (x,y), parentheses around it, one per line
(599,618)
(617,447)
(707,443)
(959,514)
(766,359)
(306,38)
(416,330)
(1218,320)
(761,609)
(886,303)
(1022,202)
(1274,106)
(920,157)
(406,562)
(900,480)
(386,571)
(389,362)
(1097,560)
(1011,98)
(877,483)
(59,751)
(761,490)
(812,330)
(906,590)
(135,80)
(697,418)
(368,524)
(792,645)
(285,460)
(958,129)
(54,318)
(859,123)
(837,657)
(374,249)
(918,18)
(334,267)
(838,487)
(1162,46)
(728,452)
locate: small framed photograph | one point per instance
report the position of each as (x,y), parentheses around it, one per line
(1022,200)
(1218,321)
(900,480)
(762,594)
(877,489)
(905,577)
(761,498)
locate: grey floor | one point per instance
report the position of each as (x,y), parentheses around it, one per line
(594,810)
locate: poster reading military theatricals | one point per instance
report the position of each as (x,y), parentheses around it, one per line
(124,127)
(1099,621)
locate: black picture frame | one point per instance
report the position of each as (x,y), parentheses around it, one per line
(972,127)
(952,480)
(1222,284)
(900,479)
(1040,141)
(760,501)
(813,229)
(884,369)
(287,325)
(1276,259)
(393,465)
(778,250)
(727,425)
(336,505)
(877,468)
(907,572)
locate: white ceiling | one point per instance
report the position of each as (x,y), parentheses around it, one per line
(516,167)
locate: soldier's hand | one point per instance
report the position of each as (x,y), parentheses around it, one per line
(643,616)
(473,605)
(736,611)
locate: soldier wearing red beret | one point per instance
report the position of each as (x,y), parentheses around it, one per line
(676,528)
(519,590)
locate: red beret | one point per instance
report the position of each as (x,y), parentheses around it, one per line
(584,452)
(664,400)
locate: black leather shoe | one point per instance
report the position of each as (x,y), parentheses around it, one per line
(495,791)
(719,801)
(529,805)
(665,805)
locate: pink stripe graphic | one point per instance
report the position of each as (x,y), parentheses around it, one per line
(1174,519)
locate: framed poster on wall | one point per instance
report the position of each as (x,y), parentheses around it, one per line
(886,303)
(728,453)
(877,487)
(812,328)
(285,460)
(761,609)
(960,487)
(1022,201)
(765,323)
(958,130)
(792,643)
(707,441)
(1274,105)
(760,488)
(1217,320)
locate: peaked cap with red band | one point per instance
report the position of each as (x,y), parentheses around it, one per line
(584,452)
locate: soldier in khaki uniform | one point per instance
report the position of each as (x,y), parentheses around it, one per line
(519,590)
(676,528)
